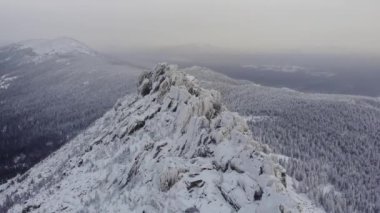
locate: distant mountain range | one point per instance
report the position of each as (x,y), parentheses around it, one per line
(308,72)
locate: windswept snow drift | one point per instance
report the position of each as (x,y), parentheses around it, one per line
(171,148)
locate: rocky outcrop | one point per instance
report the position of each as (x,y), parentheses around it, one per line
(172,147)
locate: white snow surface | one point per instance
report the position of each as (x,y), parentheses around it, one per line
(55,46)
(5,81)
(171,148)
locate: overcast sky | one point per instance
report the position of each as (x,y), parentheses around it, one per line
(249,25)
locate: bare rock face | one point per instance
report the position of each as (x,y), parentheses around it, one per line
(172,148)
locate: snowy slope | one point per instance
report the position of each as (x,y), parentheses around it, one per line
(55,46)
(41,50)
(329,138)
(171,148)
(45,100)
(5,81)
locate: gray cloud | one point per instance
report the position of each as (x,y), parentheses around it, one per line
(249,25)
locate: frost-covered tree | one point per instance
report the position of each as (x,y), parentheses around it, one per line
(332,140)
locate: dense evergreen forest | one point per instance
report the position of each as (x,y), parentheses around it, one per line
(331,141)
(51,100)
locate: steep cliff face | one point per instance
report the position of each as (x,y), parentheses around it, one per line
(171,148)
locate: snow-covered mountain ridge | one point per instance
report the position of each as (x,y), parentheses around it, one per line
(41,50)
(172,147)
(55,46)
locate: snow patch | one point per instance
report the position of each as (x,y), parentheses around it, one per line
(5,81)
(255,119)
(288,69)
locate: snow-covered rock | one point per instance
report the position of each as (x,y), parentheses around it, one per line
(171,148)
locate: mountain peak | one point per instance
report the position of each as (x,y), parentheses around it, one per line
(63,45)
(173,147)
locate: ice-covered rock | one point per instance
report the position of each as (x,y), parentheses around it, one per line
(173,147)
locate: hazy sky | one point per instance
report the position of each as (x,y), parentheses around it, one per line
(252,25)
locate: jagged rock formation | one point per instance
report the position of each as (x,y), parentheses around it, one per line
(171,148)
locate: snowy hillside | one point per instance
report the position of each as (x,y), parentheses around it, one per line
(332,141)
(41,50)
(49,91)
(55,46)
(172,148)
(5,81)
